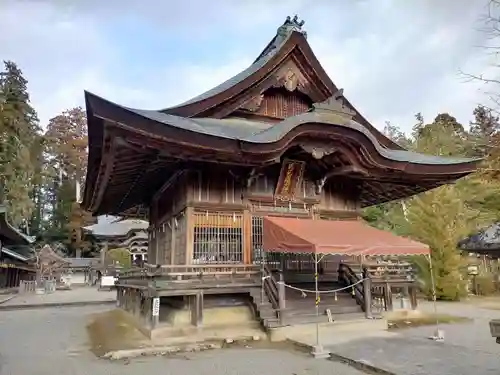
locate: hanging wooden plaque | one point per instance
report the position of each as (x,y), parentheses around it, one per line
(290,180)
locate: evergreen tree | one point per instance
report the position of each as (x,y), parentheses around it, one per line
(19,134)
(482,131)
(67,154)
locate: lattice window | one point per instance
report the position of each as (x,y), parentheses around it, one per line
(257,230)
(218,238)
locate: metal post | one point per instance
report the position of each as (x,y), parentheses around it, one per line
(262,270)
(317,351)
(317,296)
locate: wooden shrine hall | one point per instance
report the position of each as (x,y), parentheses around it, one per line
(277,159)
(16,256)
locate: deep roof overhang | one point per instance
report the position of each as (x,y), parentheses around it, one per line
(242,142)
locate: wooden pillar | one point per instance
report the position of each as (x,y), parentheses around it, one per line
(196,305)
(388,296)
(173,241)
(413,297)
(281,297)
(9,277)
(367,292)
(119,293)
(189,213)
(281,291)
(247,237)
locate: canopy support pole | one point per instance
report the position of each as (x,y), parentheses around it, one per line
(438,334)
(318,351)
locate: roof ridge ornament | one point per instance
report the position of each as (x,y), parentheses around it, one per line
(334,105)
(290,25)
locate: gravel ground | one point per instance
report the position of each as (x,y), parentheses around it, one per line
(53,341)
(77,294)
(468,348)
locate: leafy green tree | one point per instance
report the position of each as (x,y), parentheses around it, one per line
(440,219)
(397,135)
(118,255)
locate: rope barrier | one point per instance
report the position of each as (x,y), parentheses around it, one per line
(322,291)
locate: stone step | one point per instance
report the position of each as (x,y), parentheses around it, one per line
(294,319)
(341,298)
(267,314)
(299,305)
(311,310)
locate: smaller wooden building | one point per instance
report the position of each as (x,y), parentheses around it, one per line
(16,254)
(127,233)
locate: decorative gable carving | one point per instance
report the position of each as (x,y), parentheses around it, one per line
(291,78)
(334,106)
(278,103)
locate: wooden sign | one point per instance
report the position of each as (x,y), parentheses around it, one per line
(156,306)
(329,314)
(290,180)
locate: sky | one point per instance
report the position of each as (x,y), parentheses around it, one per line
(393,58)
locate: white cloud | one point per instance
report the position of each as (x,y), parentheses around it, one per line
(392,60)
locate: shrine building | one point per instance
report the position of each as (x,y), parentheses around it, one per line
(243,183)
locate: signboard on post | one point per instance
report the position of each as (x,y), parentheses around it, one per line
(290,180)
(156,306)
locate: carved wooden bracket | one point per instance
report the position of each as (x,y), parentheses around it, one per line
(318,152)
(347,170)
(252,176)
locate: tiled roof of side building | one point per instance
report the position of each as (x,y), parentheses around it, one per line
(118,228)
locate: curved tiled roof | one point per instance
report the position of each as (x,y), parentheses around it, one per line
(284,33)
(486,239)
(118,228)
(261,132)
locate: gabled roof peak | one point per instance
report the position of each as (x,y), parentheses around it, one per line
(282,34)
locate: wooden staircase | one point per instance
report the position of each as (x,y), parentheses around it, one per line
(300,308)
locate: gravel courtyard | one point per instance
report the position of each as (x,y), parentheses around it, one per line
(53,341)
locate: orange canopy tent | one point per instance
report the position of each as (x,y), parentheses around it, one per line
(342,237)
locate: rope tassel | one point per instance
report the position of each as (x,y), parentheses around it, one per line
(335,296)
(353,292)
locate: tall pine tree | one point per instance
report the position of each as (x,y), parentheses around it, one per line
(19,134)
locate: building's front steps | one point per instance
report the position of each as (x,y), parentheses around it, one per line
(300,308)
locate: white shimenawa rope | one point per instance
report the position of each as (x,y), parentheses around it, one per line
(321,291)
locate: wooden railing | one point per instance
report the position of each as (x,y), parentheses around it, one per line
(385,272)
(27,286)
(271,288)
(187,277)
(190,271)
(348,277)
